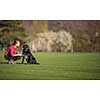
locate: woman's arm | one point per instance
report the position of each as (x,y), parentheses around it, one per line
(12,52)
(17,55)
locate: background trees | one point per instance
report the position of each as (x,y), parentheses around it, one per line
(85,34)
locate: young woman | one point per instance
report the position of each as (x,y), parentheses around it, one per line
(10,53)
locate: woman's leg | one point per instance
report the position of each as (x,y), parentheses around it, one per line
(9,59)
(12,59)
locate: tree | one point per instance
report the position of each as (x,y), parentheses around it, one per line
(10,29)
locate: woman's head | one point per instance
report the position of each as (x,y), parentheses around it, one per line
(16,43)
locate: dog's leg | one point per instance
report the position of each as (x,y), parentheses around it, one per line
(28,59)
(23,59)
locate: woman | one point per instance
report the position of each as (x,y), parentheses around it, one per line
(10,53)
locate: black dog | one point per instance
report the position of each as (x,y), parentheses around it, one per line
(26,54)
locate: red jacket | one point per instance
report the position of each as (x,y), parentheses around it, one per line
(11,49)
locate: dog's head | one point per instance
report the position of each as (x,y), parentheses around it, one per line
(26,48)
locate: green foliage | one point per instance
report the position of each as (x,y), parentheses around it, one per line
(7,26)
(10,29)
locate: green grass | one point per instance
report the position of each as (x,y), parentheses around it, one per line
(54,66)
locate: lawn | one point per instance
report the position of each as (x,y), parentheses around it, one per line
(54,66)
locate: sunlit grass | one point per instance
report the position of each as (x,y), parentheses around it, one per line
(54,66)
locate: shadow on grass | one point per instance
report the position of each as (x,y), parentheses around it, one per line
(3,62)
(18,63)
(8,63)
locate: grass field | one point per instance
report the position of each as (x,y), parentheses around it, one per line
(56,66)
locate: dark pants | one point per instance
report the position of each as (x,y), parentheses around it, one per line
(12,58)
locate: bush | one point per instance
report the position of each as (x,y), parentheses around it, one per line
(53,41)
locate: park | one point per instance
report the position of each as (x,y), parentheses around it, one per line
(68,53)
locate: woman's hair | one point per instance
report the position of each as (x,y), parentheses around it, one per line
(15,41)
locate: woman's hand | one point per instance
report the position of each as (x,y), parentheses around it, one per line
(17,54)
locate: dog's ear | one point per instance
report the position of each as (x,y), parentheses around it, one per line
(23,46)
(27,46)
